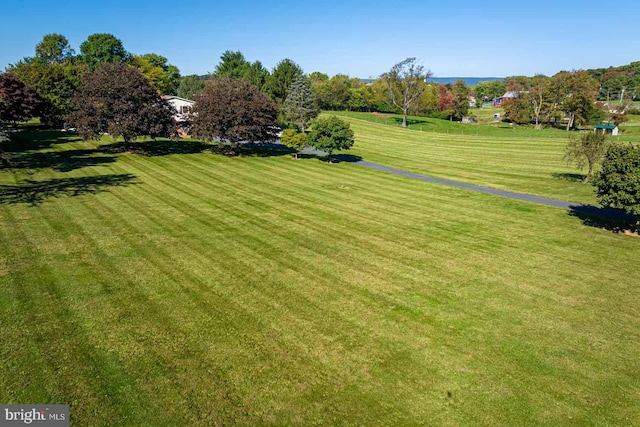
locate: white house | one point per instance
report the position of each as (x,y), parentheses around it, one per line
(182,107)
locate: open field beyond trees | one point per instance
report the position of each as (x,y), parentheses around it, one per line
(180,287)
(499,159)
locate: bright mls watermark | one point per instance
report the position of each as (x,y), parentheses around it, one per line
(35,415)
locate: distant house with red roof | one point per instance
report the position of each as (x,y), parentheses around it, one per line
(497,102)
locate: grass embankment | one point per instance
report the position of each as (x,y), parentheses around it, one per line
(197,289)
(428,124)
(515,163)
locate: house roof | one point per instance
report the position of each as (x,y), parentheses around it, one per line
(608,127)
(170,97)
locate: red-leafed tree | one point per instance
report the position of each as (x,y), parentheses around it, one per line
(119,100)
(17,102)
(234,110)
(445,98)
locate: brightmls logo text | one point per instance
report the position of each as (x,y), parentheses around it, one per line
(35,415)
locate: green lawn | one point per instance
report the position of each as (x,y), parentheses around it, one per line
(428,124)
(518,163)
(198,289)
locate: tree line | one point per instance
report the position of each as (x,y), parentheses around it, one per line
(618,83)
(105,89)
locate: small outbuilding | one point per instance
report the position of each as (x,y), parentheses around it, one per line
(606,129)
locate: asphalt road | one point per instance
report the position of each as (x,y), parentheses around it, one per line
(576,207)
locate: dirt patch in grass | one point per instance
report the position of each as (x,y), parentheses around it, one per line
(381,115)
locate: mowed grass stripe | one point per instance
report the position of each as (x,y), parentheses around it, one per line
(530,165)
(255,290)
(99,379)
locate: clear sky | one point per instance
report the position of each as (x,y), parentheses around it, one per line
(359,38)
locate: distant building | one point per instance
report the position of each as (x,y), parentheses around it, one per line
(497,102)
(182,108)
(606,129)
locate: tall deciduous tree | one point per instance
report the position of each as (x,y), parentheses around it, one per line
(55,83)
(17,102)
(577,92)
(330,134)
(490,89)
(300,106)
(518,109)
(190,86)
(54,48)
(618,183)
(334,93)
(117,99)
(404,84)
(162,75)
(460,107)
(233,110)
(101,47)
(537,96)
(54,73)
(445,99)
(170,73)
(587,149)
(279,81)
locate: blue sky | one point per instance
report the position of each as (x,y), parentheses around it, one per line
(359,38)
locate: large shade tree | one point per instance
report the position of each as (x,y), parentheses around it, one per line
(118,99)
(54,73)
(54,48)
(405,84)
(233,110)
(162,75)
(587,149)
(17,102)
(577,92)
(330,134)
(102,47)
(618,183)
(460,106)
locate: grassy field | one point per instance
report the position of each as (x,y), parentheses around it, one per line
(428,124)
(516,163)
(179,287)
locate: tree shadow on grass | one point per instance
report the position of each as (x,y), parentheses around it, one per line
(30,138)
(577,177)
(156,148)
(335,158)
(613,220)
(61,161)
(410,122)
(264,149)
(35,192)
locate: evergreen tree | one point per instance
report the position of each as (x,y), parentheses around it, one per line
(190,86)
(279,81)
(300,105)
